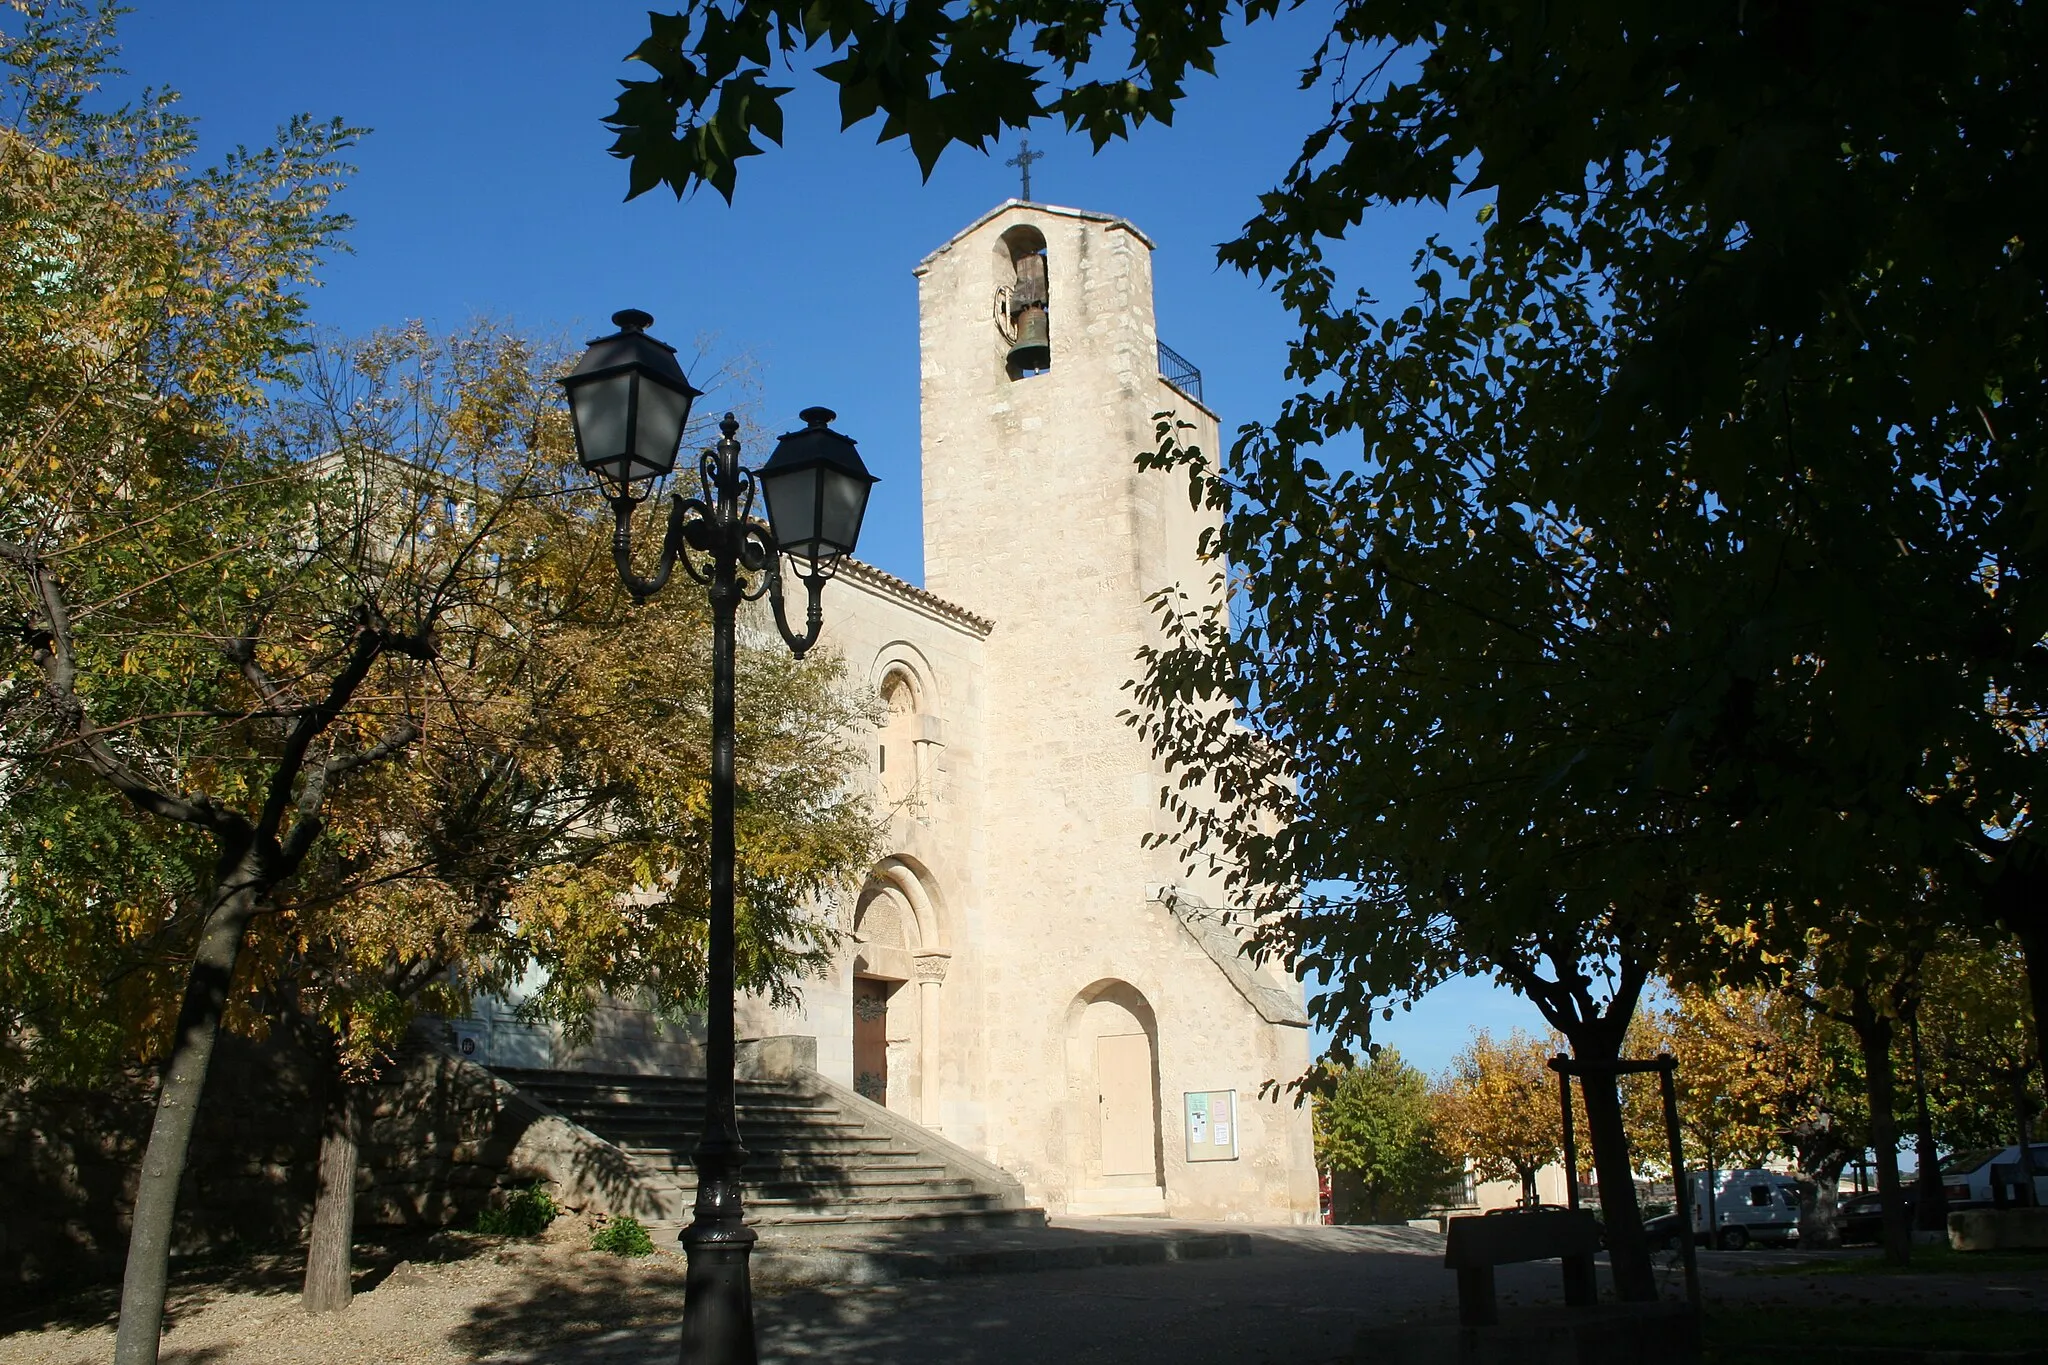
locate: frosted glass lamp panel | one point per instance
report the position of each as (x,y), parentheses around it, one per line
(845,503)
(793,510)
(601,408)
(658,430)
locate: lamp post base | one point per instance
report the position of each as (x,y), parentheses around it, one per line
(718,1296)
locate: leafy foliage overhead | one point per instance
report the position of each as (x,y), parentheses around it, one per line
(936,74)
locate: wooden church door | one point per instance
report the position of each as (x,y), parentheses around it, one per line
(1123,1071)
(871,1037)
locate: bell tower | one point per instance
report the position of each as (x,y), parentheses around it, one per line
(1041,385)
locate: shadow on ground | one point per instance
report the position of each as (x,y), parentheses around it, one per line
(567,1305)
(198,1281)
(1280,1297)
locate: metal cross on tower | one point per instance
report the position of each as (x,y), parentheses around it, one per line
(1022,161)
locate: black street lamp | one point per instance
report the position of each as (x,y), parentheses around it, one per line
(629,400)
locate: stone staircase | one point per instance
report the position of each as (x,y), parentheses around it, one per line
(816,1152)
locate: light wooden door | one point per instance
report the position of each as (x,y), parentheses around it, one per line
(1123,1078)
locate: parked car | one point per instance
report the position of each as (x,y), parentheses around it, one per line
(1860,1217)
(1662,1231)
(1966,1176)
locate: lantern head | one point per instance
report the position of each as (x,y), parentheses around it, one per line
(817,491)
(629,400)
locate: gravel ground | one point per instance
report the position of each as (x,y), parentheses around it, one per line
(444,1300)
(1301,1298)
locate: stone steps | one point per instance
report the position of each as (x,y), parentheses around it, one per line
(810,1159)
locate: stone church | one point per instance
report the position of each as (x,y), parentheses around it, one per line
(1023,974)
(1020,975)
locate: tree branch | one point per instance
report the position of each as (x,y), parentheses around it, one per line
(309,824)
(373,638)
(52,650)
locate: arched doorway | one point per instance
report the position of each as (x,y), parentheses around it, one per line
(1113,1096)
(871,1034)
(899,969)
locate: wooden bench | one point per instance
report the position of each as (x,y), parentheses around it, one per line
(1475,1245)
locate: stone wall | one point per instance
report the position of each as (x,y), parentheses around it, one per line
(443,1133)
(72,1155)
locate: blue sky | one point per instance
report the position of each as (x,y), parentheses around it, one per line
(484,189)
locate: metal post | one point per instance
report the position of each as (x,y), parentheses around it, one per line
(718,1297)
(1562,1064)
(1681,1187)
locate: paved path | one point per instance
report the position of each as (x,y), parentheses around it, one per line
(1299,1298)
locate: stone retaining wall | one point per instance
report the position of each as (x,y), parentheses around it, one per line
(443,1133)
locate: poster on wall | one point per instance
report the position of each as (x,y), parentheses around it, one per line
(1211,1126)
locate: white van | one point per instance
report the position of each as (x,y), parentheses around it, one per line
(1966,1176)
(1748,1207)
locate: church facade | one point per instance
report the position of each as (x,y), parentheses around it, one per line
(1021,973)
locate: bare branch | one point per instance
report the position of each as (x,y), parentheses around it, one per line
(241,651)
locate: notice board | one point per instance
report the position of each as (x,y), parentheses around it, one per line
(1210,1124)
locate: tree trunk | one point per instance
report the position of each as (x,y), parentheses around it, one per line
(1528,1174)
(1820,1201)
(145,1282)
(1932,1214)
(2033,939)
(1874,1038)
(1628,1250)
(1822,1154)
(329,1243)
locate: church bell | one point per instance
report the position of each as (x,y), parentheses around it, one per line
(1032,350)
(1032,347)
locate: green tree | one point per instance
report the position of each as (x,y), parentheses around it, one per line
(1695,511)
(1975,1042)
(1376,1134)
(553,816)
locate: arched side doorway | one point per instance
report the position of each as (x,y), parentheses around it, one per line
(1113,1095)
(899,968)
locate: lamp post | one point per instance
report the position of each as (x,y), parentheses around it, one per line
(629,401)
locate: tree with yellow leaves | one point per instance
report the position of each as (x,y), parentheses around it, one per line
(552,821)
(1734,1078)
(1498,1108)
(1760,1075)
(190,658)
(323,701)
